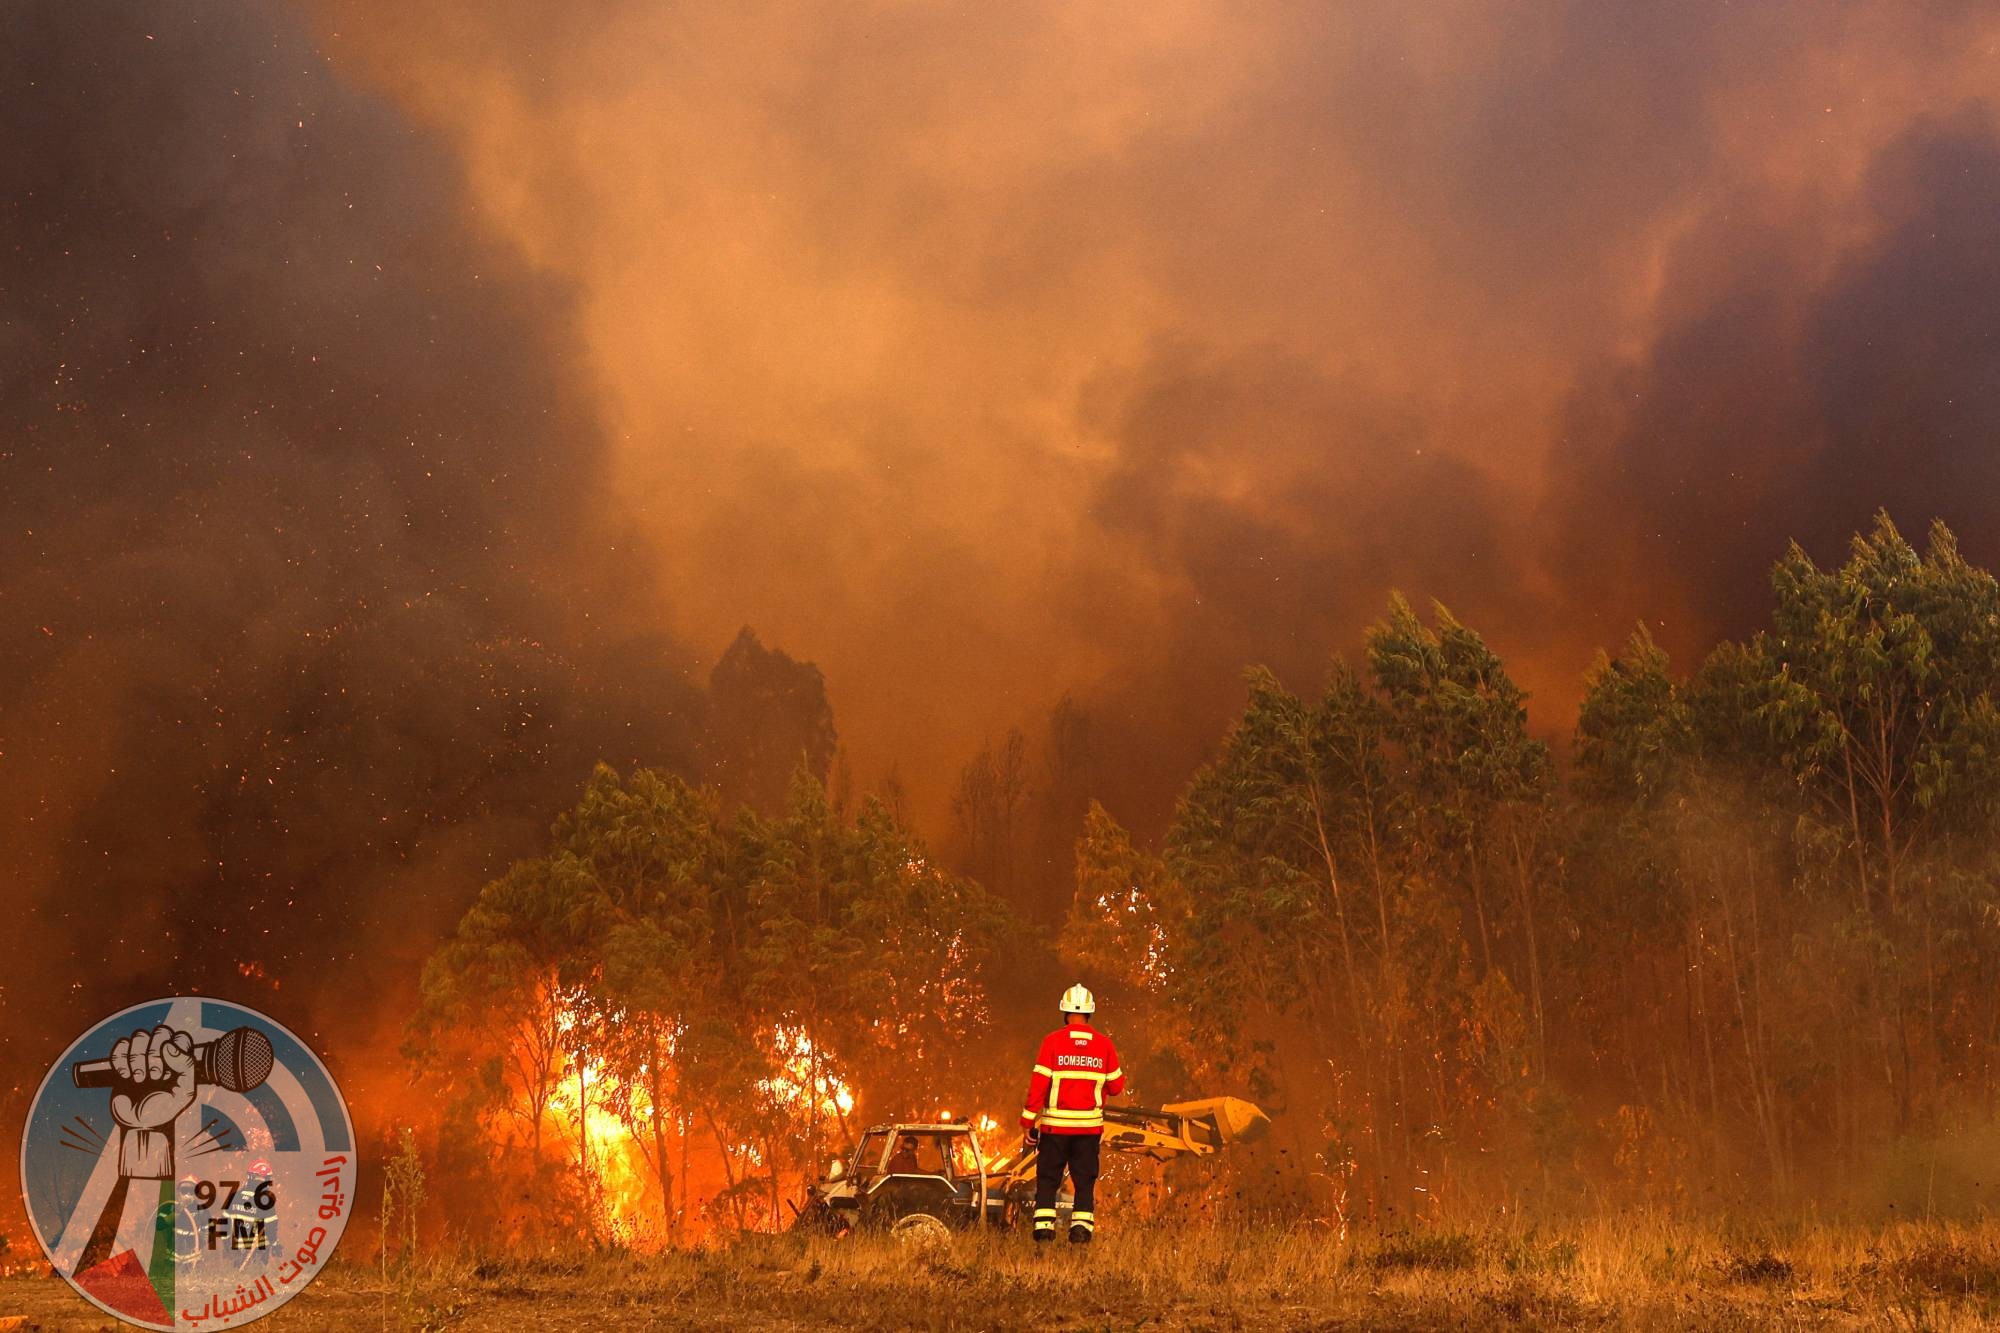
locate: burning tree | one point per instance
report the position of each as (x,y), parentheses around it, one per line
(490,1028)
(691,1008)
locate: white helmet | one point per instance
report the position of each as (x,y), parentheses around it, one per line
(1077,1000)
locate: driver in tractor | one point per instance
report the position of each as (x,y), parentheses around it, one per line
(1076,1069)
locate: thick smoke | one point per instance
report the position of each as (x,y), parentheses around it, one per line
(982,355)
(985,355)
(312,617)
(1796,395)
(1278,504)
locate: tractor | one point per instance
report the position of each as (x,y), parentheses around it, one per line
(921,1181)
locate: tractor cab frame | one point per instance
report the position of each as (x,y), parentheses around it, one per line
(907,1178)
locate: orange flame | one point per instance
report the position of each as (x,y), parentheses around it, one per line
(621,1182)
(805,1081)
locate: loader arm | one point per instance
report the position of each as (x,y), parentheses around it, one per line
(1177,1129)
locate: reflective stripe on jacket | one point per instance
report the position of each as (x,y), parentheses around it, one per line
(1076,1069)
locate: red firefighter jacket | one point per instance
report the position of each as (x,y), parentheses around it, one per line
(1075,1071)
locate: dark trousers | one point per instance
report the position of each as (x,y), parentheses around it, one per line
(1076,1153)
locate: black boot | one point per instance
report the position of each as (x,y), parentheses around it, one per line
(1043,1235)
(1079,1235)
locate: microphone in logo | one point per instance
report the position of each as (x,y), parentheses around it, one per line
(238,1060)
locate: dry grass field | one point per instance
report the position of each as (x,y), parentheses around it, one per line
(1620,1272)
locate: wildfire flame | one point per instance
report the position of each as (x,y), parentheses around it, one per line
(606,1128)
(805,1081)
(607,1155)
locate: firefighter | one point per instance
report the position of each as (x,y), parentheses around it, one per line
(1075,1071)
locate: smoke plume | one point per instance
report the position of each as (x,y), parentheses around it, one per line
(314,610)
(984,356)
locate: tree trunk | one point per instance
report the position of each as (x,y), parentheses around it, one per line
(1477,875)
(681,1179)
(656,1107)
(1363,1048)
(1525,896)
(583,1145)
(729,1178)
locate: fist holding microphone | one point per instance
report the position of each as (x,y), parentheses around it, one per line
(153,1076)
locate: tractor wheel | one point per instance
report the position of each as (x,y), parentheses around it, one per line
(921,1231)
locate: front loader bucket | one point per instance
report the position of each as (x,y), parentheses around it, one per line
(1183,1127)
(1224,1119)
